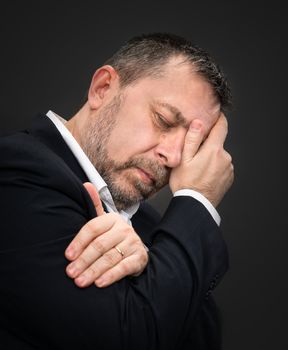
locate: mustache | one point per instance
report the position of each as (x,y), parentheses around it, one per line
(159,173)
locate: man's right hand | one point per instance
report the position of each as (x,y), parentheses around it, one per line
(206,168)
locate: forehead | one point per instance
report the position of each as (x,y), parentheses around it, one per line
(180,93)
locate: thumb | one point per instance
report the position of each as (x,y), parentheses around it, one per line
(95,198)
(219,131)
(193,140)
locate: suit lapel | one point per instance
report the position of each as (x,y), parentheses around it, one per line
(45,131)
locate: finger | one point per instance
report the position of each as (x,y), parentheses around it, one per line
(91,230)
(98,247)
(95,266)
(219,131)
(113,257)
(95,198)
(129,266)
(103,264)
(193,140)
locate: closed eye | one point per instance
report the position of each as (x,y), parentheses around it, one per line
(162,122)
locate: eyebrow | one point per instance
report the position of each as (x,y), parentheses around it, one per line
(176,113)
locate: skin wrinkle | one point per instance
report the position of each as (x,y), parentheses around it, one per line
(125,133)
(177,115)
(96,137)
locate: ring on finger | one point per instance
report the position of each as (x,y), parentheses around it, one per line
(119,251)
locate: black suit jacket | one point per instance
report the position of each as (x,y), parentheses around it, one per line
(43,205)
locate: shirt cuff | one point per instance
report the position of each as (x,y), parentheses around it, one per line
(207,204)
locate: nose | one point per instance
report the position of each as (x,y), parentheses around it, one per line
(170,148)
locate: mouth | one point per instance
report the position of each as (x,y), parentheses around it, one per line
(145,176)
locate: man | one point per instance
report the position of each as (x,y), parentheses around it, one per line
(153,116)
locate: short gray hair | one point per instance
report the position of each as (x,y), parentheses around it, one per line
(146,55)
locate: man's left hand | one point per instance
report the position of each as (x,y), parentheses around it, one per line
(105,250)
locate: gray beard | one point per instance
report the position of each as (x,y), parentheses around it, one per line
(95,138)
(123,197)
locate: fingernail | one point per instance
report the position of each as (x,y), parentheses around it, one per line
(195,125)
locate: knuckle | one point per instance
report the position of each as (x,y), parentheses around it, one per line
(142,261)
(111,276)
(81,262)
(142,249)
(127,230)
(135,239)
(216,150)
(139,266)
(136,244)
(228,157)
(78,243)
(109,258)
(220,155)
(98,246)
(126,267)
(145,257)
(136,268)
(89,228)
(140,252)
(91,271)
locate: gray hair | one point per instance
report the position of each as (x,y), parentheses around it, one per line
(146,55)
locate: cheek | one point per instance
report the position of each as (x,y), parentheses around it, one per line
(129,139)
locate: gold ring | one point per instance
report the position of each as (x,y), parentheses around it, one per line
(119,251)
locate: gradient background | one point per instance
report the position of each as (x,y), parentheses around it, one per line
(48,55)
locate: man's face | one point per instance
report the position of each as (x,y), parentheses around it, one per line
(138,137)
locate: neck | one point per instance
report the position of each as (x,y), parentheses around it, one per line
(76,123)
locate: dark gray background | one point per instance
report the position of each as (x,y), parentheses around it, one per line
(48,55)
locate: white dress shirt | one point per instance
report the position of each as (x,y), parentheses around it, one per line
(102,188)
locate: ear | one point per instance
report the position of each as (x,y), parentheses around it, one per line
(104,82)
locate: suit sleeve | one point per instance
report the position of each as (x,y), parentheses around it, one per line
(44,206)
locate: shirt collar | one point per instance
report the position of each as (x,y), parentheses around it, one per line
(89,169)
